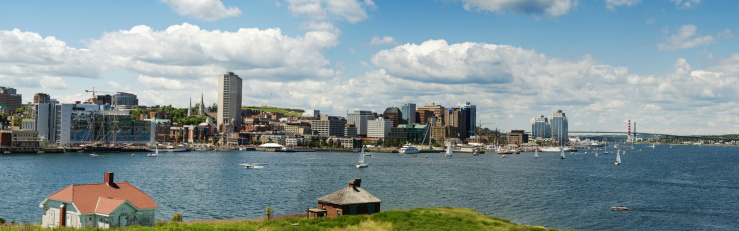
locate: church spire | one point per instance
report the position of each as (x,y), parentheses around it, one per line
(201,110)
(189,109)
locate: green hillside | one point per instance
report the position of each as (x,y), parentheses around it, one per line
(286,111)
(414,219)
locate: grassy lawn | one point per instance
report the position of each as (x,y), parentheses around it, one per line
(286,111)
(414,219)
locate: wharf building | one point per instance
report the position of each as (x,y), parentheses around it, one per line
(413,133)
(229,99)
(517,137)
(9,100)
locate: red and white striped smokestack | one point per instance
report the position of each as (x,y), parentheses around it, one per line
(628,133)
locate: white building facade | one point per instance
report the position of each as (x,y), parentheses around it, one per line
(379,128)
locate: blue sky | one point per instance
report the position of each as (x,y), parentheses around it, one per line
(670,65)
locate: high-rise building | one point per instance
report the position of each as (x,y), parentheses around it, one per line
(437,110)
(471,114)
(41,98)
(517,137)
(359,119)
(9,100)
(124,98)
(379,128)
(328,127)
(540,127)
(457,117)
(393,114)
(229,99)
(559,127)
(409,113)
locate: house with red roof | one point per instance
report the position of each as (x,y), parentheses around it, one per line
(103,205)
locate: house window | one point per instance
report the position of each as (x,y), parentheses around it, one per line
(338,212)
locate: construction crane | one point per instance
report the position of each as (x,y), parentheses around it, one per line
(479,131)
(93,91)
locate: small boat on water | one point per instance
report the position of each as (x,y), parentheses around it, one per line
(408,148)
(619,208)
(562,154)
(618,158)
(155,153)
(448,150)
(132,154)
(169,149)
(361,163)
(248,165)
(502,156)
(536,153)
(93,154)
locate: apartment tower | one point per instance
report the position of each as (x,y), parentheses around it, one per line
(229,98)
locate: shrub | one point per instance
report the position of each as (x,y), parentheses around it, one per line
(269,212)
(2,221)
(177,217)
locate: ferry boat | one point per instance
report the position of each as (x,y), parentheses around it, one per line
(409,149)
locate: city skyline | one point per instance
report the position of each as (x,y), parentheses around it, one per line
(669,65)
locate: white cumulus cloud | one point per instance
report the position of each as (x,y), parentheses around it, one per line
(686,37)
(351,11)
(612,4)
(208,10)
(686,3)
(385,40)
(187,51)
(531,7)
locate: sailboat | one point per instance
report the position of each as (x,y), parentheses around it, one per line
(536,153)
(156,152)
(562,154)
(448,149)
(652,146)
(605,149)
(361,163)
(618,157)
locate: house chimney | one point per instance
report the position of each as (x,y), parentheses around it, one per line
(356,183)
(62,213)
(108,179)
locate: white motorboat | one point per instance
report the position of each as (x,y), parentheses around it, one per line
(247,165)
(555,149)
(408,149)
(361,163)
(93,154)
(619,208)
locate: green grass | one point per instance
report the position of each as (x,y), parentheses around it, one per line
(445,218)
(286,111)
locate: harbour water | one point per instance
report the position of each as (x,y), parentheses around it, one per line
(678,188)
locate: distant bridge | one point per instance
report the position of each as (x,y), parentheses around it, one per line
(622,132)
